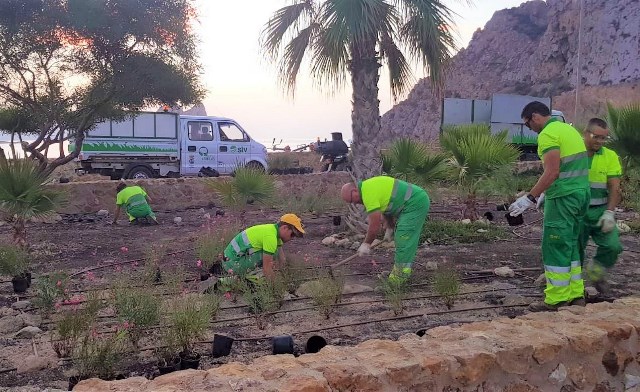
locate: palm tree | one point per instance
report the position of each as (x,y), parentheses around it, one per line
(476,154)
(24,195)
(624,124)
(411,161)
(355,38)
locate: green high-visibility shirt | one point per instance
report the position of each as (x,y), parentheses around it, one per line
(257,238)
(604,164)
(124,195)
(385,194)
(574,161)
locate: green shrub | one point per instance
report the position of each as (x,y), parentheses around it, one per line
(447,284)
(137,308)
(441,232)
(326,293)
(13,260)
(50,289)
(263,296)
(248,186)
(189,317)
(395,291)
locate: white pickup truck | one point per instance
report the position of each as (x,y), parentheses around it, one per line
(169,145)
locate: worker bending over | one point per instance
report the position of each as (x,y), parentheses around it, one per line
(135,201)
(395,202)
(252,252)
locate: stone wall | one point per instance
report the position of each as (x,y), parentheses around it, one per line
(593,348)
(180,193)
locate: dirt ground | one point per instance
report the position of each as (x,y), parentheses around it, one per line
(79,242)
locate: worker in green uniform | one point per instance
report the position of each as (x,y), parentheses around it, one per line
(565,182)
(395,203)
(600,221)
(257,247)
(135,201)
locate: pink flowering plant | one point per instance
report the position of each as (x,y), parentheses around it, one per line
(137,309)
(211,245)
(189,317)
(51,290)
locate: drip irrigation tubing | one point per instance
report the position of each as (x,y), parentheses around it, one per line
(340,304)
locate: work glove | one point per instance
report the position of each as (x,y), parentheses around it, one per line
(388,235)
(364,249)
(607,221)
(521,205)
(540,202)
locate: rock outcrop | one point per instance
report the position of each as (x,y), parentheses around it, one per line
(533,49)
(594,349)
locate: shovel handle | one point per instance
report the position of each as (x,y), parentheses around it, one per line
(348,259)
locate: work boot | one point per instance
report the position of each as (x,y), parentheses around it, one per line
(578,302)
(603,287)
(541,306)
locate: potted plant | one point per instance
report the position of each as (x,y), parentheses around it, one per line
(98,356)
(137,308)
(168,358)
(189,317)
(14,263)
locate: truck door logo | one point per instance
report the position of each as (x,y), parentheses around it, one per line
(238,150)
(203,151)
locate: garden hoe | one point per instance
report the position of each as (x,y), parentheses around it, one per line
(348,259)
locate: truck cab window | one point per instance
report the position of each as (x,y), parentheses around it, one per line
(230,132)
(200,131)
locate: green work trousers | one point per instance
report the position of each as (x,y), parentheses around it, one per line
(563,221)
(137,207)
(409,228)
(609,246)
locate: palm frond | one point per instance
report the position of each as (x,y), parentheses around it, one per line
(476,153)
(428,35)
(330,58)
(248,186)
(293,56)
(400,76)
(624,124)
(411,161)
(283,20)
(23,192)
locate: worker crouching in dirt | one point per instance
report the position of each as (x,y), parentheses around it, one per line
(252,253)
(136,204)
(389,199)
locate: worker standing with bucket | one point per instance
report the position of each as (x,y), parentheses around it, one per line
(565,184)
(389,199)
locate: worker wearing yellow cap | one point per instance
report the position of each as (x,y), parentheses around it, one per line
(258,246)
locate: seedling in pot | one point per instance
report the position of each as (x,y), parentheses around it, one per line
(326,293)
(447,284)
(14,262)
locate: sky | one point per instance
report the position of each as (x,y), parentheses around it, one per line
(243,85)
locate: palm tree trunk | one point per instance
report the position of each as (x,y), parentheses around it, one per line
(365,116)
(365,122)
(19,233)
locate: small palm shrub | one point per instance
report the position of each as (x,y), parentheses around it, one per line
(476,154)
(23,195)
(248,186)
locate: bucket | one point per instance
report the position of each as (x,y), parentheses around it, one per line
(221,345)
(282,344)
(314,344)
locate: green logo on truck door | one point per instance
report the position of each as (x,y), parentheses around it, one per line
(238,150)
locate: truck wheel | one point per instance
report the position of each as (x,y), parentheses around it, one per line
(255,165)
(140,173)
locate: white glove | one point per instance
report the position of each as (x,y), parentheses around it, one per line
(364,249)
(388,235)
(521,205)
(607,221)
(540,202)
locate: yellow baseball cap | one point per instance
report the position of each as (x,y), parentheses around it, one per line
(293,220)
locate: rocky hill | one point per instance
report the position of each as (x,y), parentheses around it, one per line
(533,49)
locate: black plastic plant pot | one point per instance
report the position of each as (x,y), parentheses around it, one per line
(221,345)
(73,380)
(171,366)
(421,332)
(514,220)
(204,276)
(189,361)
(314,344)
(282,344)
(20,284)
(28,275)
